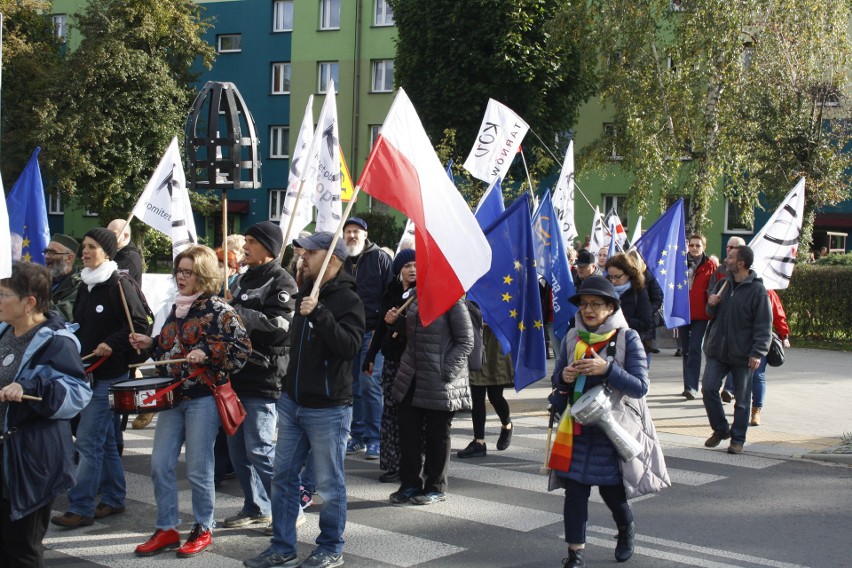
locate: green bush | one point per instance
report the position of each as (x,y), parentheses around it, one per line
(835,259)
(383,228)
(818,301)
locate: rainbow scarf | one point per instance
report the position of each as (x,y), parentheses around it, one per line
(563,444)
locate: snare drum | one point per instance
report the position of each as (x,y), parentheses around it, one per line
(590,407)
(127,397)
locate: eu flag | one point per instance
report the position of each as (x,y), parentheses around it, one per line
(28,213)
(490,205)
(552,264)
(508,293)
(663,247)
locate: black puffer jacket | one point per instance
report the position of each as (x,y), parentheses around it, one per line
(263,298)
(435,360)
(323,345)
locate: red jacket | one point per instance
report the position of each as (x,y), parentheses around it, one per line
(701,284)
(779,318)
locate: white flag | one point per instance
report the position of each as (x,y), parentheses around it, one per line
(303,213)
(326,158)
(563,199)
(407,240)
(5,237)
(164,204)
(598,237)
(497,142)
(777,243)
(637,231)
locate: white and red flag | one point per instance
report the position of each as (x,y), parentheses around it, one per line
(404,172)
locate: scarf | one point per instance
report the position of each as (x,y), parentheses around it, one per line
(93,276)
(563,444)
(183,303)
(621,289)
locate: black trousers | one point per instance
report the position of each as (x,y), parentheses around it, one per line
(576,511)
(497,400)
(21,540)
(437,423)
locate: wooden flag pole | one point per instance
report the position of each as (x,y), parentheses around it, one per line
(401,309)
(343,219)
(228,296)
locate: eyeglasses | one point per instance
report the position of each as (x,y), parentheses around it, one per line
(613,277)
(51,252)
(185,272)
(594,305)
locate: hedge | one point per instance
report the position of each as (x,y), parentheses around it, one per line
(818,301)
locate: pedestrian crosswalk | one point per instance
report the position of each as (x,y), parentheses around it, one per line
(497,507)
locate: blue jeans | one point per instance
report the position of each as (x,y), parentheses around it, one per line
(324,432)
(252,453)
(691,340)
(758,384)
(714,376)
(195,422)
(367,396)
(98,455)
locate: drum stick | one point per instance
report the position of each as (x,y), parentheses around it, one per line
(545,469)
(402,309)
(30,397)
(155,363)
(89,356)
(127,312)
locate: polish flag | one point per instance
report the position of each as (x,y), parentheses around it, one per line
(404,172)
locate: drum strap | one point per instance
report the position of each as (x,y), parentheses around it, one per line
(166,390)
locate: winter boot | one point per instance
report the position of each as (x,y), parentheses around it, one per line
(624,546)
(574,560)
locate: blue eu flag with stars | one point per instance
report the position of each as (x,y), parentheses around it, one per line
(28,212)
(508,294)
(663,247)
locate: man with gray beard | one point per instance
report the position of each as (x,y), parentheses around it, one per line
(59,257)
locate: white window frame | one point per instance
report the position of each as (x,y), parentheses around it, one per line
(276,202)
(281,72)
(383,14)
(54,204)
(620,200)
(280,16)
(60,26)
(279,142)
(375,130)
(327,70)
(735,230)
(380,76)
(219,39)
(610,129)
(329,15)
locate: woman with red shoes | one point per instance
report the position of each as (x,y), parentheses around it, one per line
(209,334)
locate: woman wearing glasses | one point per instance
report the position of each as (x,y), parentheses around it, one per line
(203,329)
(587,359)
(629,284)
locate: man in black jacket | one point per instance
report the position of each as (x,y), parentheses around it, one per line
(316,407)
(59,257)
(128,258)
(372,269)
(263,297)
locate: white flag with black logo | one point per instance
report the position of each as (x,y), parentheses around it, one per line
(301,212)
(497,142)
(599,237)
(776,245)
(164,204)
(326,159)
(563,199)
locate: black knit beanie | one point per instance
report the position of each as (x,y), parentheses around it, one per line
(269,235)
(106,239)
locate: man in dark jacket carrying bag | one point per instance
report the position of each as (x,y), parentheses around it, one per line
(263,297)
(315,410)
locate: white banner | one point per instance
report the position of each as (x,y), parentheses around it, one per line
(326,145)
(5,236)
(563,199)
(164,204)
(776,245)
(497,142)
(598,237)
(303,212)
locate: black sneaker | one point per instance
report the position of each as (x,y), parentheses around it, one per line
(474,449)
(404,495)
(505,438)
(389,477)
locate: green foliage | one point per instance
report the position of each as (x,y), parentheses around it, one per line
(121,97)
(31,57)
(453,56)
(818,301)
(835,260)
(726,95)
(383,229)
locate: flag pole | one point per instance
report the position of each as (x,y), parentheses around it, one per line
(228,296)
(549,151)
(529,180)
(292,218)
(337,233)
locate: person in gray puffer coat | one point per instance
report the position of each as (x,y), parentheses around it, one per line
(430,386)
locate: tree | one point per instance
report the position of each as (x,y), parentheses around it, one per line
(453,56)
(31,57)
(734,96)
(120,98)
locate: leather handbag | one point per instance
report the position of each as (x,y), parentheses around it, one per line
(775,357)
(231,410)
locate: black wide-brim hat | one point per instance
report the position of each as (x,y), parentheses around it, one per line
(596,286)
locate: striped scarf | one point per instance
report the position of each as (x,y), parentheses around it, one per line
(563,444)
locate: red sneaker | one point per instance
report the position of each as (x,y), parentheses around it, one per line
(160,541)
(198,540)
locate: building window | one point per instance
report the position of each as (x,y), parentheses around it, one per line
(617,202)
(91,213)
(60,26)
(280,78)
(329,14)
(54,204)
(229,43)
(327,72)
(279,142)
(384,14)
(282,16)
(276,202)
(375,130)
(734,222)
(383,76)
(610,132)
